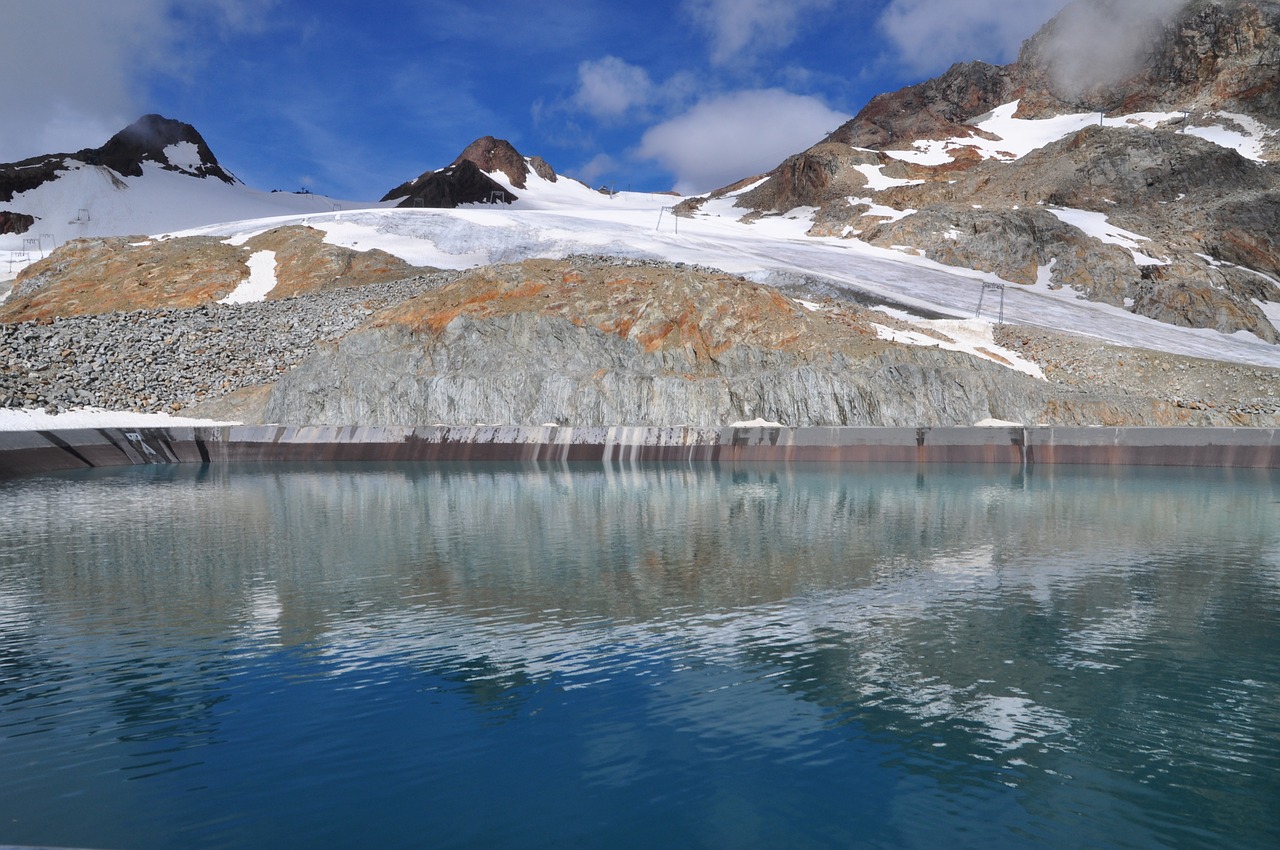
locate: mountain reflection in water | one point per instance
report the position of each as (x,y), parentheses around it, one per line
(1053,655)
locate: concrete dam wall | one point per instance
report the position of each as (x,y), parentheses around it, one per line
(30,452)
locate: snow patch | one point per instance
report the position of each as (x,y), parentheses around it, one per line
(1249,141)
(757,423)
(95,417)
(1044,274)
(1014,138)
(261,280)
(876,179)
(1095,224)
(880,210)
(970,336)
(1271,310)
(184,155)
(811,306)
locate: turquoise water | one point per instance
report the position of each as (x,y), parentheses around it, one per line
(521,657)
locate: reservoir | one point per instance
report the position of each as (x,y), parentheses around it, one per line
(640,656)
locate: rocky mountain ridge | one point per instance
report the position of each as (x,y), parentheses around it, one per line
(1099,56)
(1148,205)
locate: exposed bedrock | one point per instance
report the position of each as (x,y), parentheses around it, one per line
(544,342)
(530,369)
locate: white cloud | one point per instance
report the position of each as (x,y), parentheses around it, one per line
(610,87)
(742,28)
(930,35)
(600,165)
(726,138)
(1097,42)
(75,71)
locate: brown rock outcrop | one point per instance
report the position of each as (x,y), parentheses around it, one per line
(112,274)
(15,222)
(497,155)
(466,180)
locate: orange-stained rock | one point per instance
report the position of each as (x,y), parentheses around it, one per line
(111,274)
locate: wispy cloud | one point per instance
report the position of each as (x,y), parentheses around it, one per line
(741,30)
(726,138)
(1096,42)
(930,35)
(76,70)
(609,87)
(599,166)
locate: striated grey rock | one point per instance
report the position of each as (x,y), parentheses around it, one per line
(604,344)
(529,369)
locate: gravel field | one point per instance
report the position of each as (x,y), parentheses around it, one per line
(1077,361)
(169,360)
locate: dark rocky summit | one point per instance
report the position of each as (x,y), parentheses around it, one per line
(145,140)
(460,183)
(466,180)
(500,155)
(12,222)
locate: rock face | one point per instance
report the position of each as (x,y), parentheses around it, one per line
(1206,216)
(1110,56)
(152,138)
(1141,214)
(113,274)
(934,109)
(497,155)
(466,180)
(460,183)
(12,222)
(591,344)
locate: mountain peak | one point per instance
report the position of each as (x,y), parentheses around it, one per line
(173,145)
(466,180)
(493,154)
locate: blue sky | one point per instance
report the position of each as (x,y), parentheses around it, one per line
(351,98)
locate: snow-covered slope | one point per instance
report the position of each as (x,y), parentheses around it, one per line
(88,200)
